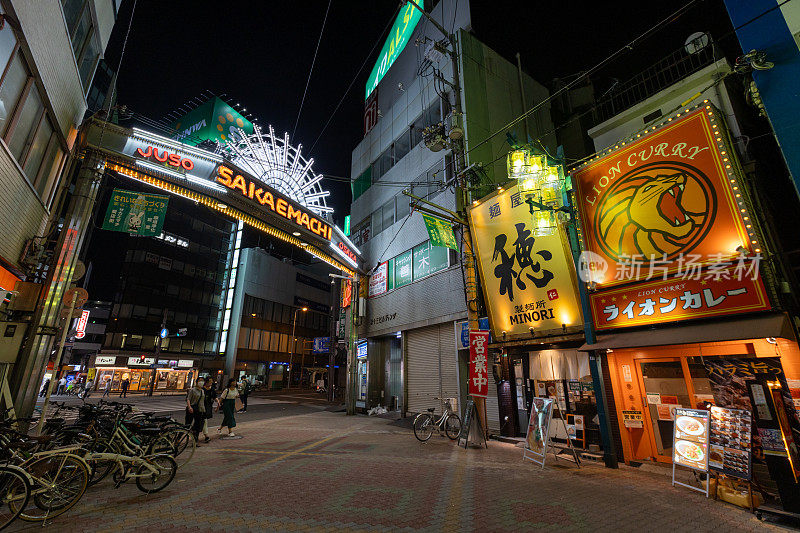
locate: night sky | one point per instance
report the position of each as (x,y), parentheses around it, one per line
(259,53)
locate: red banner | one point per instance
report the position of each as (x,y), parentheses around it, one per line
(478,367)
(676,299)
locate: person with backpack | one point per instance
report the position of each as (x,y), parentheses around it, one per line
(244,392)
(196,408)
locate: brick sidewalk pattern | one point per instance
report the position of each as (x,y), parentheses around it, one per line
(323,471)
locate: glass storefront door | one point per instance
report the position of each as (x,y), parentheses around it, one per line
(664,385)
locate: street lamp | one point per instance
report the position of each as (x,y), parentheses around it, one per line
(291,356)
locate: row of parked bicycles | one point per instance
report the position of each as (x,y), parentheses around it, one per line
(44,476)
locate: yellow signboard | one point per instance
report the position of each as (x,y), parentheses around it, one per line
(528,281)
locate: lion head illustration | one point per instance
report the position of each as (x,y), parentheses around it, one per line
(646,214)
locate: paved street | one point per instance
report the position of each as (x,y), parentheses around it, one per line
(302,468)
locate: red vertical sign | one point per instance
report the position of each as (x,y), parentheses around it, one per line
(478,367)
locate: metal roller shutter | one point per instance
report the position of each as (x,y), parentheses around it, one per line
(449,365)
(422,368)
(492,409)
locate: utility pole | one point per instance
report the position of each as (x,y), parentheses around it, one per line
(294,342)
(159,340)
(352,361)
(462,200)
(332,345)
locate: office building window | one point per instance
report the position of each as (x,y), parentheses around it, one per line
(78,18)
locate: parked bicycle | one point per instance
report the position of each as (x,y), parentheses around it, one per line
(426,423)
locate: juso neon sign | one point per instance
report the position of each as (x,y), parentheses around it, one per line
(275,203)
(163,156)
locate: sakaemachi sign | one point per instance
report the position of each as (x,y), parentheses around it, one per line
(271,200)
(671,194)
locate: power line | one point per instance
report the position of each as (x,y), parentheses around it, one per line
(355,78)
(676,14)
(311,70)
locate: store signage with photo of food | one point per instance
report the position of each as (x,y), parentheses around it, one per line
(690,444)
(538,430)
(729,449)
(670,195)
(676,299)
(528,281)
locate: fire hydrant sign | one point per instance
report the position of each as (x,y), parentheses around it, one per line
(136,213)
(478,367)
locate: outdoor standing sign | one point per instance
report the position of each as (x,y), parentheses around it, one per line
(730,436)
(440,232)
(478,369)
(471,417)
(528,281)
(671,197)
(538,430)
(690,443)
(136,213)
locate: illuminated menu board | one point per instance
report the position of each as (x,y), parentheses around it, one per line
(690,443)
(729,451)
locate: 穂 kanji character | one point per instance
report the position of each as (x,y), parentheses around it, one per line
(648,307)
(523,247)
(691,300)
(671,304)
(710,300)
(612,311)
(505,270)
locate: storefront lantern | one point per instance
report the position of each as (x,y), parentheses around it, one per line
(541,185)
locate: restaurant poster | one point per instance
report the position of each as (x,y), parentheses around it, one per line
(730,442)
(528,281)
(690,443)
(538,430)
(729,380)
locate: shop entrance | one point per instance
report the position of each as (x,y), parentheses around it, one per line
(669,383)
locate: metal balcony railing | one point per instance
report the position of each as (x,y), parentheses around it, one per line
(658,77)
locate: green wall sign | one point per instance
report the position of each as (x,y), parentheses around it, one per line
(136,213)
(403,269)
(429,259)
(398,38)
(213,120)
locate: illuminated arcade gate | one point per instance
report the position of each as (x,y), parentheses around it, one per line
(274,162)
(251,187)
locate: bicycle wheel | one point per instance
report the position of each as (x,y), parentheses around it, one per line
(14,488)
(59,481)
(452,426)
(423,427)
(177,442)
(100,467)
(154,482)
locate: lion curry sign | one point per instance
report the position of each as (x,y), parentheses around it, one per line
(666,196)
(528,281)
(272,201)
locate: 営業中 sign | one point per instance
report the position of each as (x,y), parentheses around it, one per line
(136,213)
(478,366)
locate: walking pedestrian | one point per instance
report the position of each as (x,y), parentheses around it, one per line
(106,388)
(62,385)
(244,392)
(125,384)
(44,388)
(228,401)
(196,408)
(210,397)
